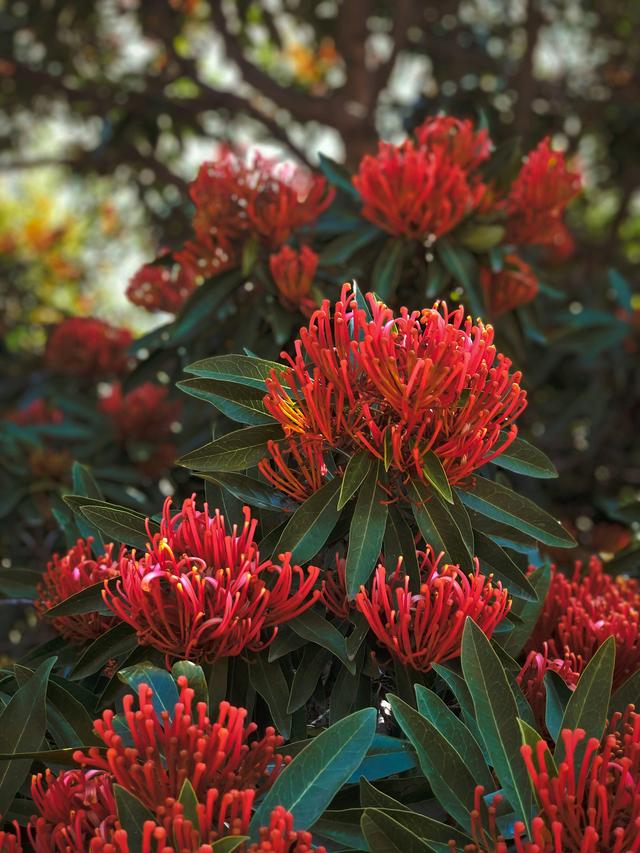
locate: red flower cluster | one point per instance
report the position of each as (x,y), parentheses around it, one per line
(488,839)
(424,628)
(67,575)
(458,139)
(280,836)
(334,590)
(86,347)
(581,611)
(592,805)
(37,413)
(161,287)
(236,201)
(531,678)
(293,274)
(11,842)
(514,285)
(538,198)
(202,593)
(394,386)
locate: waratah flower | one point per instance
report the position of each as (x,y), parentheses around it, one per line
(293,274)
(412,192)
(280,836)
(485,832)
(67,575)
(161,286)
(73,808)
(201,591)
(458,139)
(531,678)
(11,842)
(425,627)
(37,413)
(514,285)
(87,347)
(162,750)
(334,590)
(580,612)
(593,803)
(539,196)
(394,386)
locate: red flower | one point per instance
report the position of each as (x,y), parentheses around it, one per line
(395,386)
(424,628)
(293,274)
(538,197)
(165,750)
(67,575)
(160,287)
(581,611)
(334,590)
(86,347)
(73,808)
(515,285)
(531,679)
(202,593)
(488,839)
(458,139)
(37,413)
(411,192)
(280,836)
(593,805)
(11,842)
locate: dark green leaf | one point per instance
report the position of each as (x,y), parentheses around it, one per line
(558,695)
(386,835)
(480,237)
(235,451)
(132,815)
(435,474)
(189,801)
(337,175)
(253,492)
(370,796)
(200,308)
(114,643)
(165,693)
(627,694)
(311,524)
(399,542)
(241,369)
(437,524)
(229,844)
(269,681)
(527,611)
(355,472)
(313,627)
(523,458)
(366,531)
(238,402)
(339,251)
(120,525)
(195,678)
(88,600)
(342,827)
(388,268)
(493,558)
(84,483)
(314,661)
(531,737)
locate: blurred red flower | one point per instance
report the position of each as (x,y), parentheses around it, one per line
(293,274)
(36,413)
(87,347)
(457,138)
(161,286)
(514,285)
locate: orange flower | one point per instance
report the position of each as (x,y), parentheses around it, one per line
(293,274)
(515,285)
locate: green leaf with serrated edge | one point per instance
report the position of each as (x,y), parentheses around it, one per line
(557,697)
(235,451)
(229,844)
(366,531)
(450,778)
(187,798)
(241,369)
(355,472)
(316,629)
(311,524)
(388,268)
(308,673)
(527,611)
(386,835)
(497,717)
(431,706)
(195,678)
(493,559)
(399,542)
(339,251)
(88,600)
(627,694)
(523,458)
(437,525)
(509,507)
(589,703)
(165,693)
(132,815)
(253,492)
(342,826)
(530,737)
(337,175)
(114,643)
(269,681)
(435,474)
(238,402)
(309,782)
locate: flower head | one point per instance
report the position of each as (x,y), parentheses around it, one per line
(582,610)
(458,139)
(539,196)
(37,413)
(514,285)
(592,804)
(531,678)
(293,274)
(86,347)
(397,387)
(414,192)
(67,575)
(280,836)
(201,591)
(334,590)
(161,287)
(11,842)
(425,627)
(485,832)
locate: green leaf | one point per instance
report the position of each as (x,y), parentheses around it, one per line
(386,835)
(235,451)
(311,524)
(435,474)
(189,801)
(437,524)
(132,815)
(355,472)
(241,369)
(530,737)
(114,643)
(269,681)
(399,542)
(165,693)
(314,628)
(23,724)
(497,717)
(448,775)
(239,403)
(229,844)
(84,483)
(362,303)
(372,797)
(341,826)
(509,507)
(480,237)
(253,492)
(307,785)
(493,558)
(627,694)
(313,663)
(462,265)
(388,268)
(366,531)
(523,458)
(120,525)
(558,695)
(195,678)
(199,311)
(340,250)
(337,175)
(588,705)
(88,600)
(527,611)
